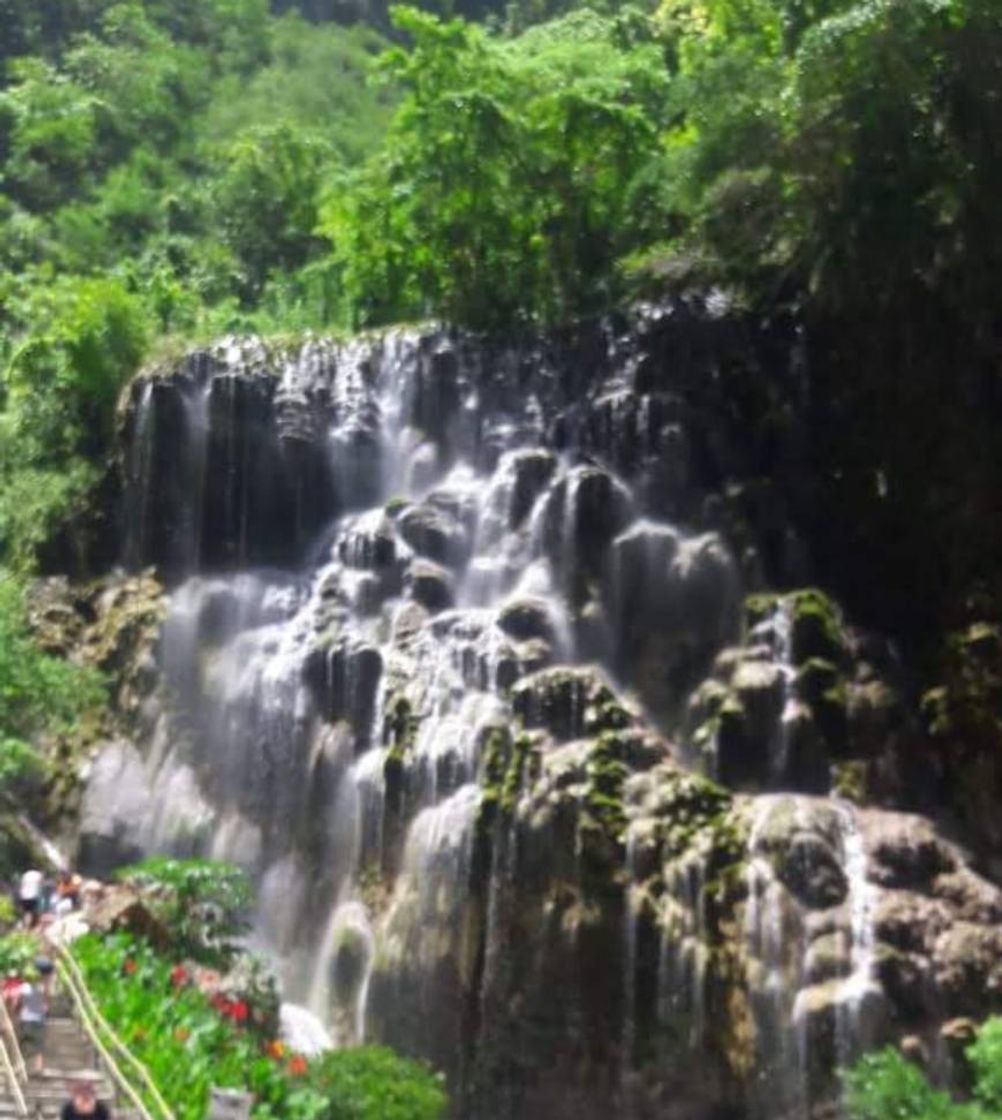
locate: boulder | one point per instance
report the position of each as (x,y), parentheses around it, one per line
(803,839)
(525,619)
(828,957)
(583,514)
(431,586)
(434,534)
(568,702)
(122,909)
(344,678)
(815,627)
(370,545)
(532,471)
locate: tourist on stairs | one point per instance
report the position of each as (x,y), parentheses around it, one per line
(67,892)
(32,1009)
(29,895)
(83,1102)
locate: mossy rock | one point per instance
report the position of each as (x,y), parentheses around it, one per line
(815,678)
(395,506)
(850,780)
(687,805)
(821,685)
(815,627)
(759,607)
(705,703)
(400,724)
(983,642)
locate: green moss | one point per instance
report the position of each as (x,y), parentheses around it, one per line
(511,786)
(395,506)
(612,716)
(815,627)
(689,804)
(821,685)
(815,678)
(982,640)
(607,773)
(850,779)
(759,607)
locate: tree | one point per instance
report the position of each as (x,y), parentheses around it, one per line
(504,191)
(266,201)
(51,125)
(39,694)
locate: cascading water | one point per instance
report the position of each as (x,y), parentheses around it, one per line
(388,557)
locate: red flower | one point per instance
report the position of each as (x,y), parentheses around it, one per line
(298,1065)
(221,1003)
(179,975)
(239,1011)
(129,967)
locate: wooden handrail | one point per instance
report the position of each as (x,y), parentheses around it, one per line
(94,1023)
(15,1085)
(9,1029)
(6,1045)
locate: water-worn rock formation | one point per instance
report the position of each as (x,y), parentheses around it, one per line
(471,657)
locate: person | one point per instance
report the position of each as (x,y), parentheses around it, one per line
(83,1102)
(32,1011)
(9,991)
(29,895)
(67,892)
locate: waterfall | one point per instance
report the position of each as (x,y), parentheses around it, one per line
(380,551)
(852,1030)
(776,949)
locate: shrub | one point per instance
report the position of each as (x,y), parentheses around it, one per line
(203,903)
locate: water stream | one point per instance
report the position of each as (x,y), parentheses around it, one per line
(370,545)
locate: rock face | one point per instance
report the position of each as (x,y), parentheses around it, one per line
(467,659)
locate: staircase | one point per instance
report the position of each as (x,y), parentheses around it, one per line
(69,1057)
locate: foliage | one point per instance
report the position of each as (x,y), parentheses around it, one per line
(505,189)
(885,1086)
(160,171)
(39,694)
(374,1083)
(985,1056)
(203,903)
(18,953)
(187,1045)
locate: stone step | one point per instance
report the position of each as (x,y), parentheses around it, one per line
(8,1110)
(84,1072)
(59,1092)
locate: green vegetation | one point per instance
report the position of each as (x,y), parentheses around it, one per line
(159,165)
(192,1032)
(40,695)
(886,1086)
(204,904)
(18,952)
(507,186)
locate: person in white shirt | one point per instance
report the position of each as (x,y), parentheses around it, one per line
(29,894)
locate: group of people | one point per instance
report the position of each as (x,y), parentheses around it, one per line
(27,995)
(38,895)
